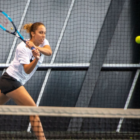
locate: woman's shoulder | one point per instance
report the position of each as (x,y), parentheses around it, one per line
(21,46)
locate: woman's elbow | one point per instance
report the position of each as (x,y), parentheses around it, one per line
(25,69)
(49,53)
(27,72)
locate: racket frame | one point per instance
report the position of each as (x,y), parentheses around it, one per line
(16,32)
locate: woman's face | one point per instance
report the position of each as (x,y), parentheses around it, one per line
(39,35)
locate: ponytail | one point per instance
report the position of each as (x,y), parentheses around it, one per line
(32,27)
(27,27)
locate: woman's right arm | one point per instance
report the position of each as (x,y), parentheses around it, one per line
(28,68)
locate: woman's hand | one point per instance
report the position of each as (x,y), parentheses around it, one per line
(30,44)
(36,53)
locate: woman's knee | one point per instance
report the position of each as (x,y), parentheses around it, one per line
(34,118)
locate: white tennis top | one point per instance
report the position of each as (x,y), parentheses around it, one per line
(23,55)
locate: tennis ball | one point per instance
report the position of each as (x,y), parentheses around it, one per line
(11,28)
(137,39)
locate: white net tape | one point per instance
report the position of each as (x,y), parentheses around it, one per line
(70,111)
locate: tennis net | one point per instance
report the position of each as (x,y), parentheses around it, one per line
(63,122)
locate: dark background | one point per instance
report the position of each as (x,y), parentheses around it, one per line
(98,32)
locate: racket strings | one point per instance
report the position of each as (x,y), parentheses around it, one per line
(6,23)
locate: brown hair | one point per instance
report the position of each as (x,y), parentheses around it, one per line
(31,27)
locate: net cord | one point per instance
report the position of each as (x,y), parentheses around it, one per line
(70,111)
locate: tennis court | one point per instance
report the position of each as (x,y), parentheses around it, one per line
(94,65)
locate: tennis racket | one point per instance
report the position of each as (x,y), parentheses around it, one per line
(8,25)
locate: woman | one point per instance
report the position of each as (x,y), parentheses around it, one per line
(22,68)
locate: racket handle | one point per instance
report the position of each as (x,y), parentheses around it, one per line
(32,48)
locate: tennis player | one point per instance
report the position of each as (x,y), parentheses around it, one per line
(24,65)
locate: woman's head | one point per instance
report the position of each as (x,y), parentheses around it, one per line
(36,30)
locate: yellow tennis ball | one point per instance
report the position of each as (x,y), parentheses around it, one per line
(137,39)
(11,28)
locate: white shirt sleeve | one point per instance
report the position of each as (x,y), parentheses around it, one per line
(22,54)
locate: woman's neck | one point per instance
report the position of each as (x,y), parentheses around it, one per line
(34,42)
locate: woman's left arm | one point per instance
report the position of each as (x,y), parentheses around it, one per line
(46,50)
